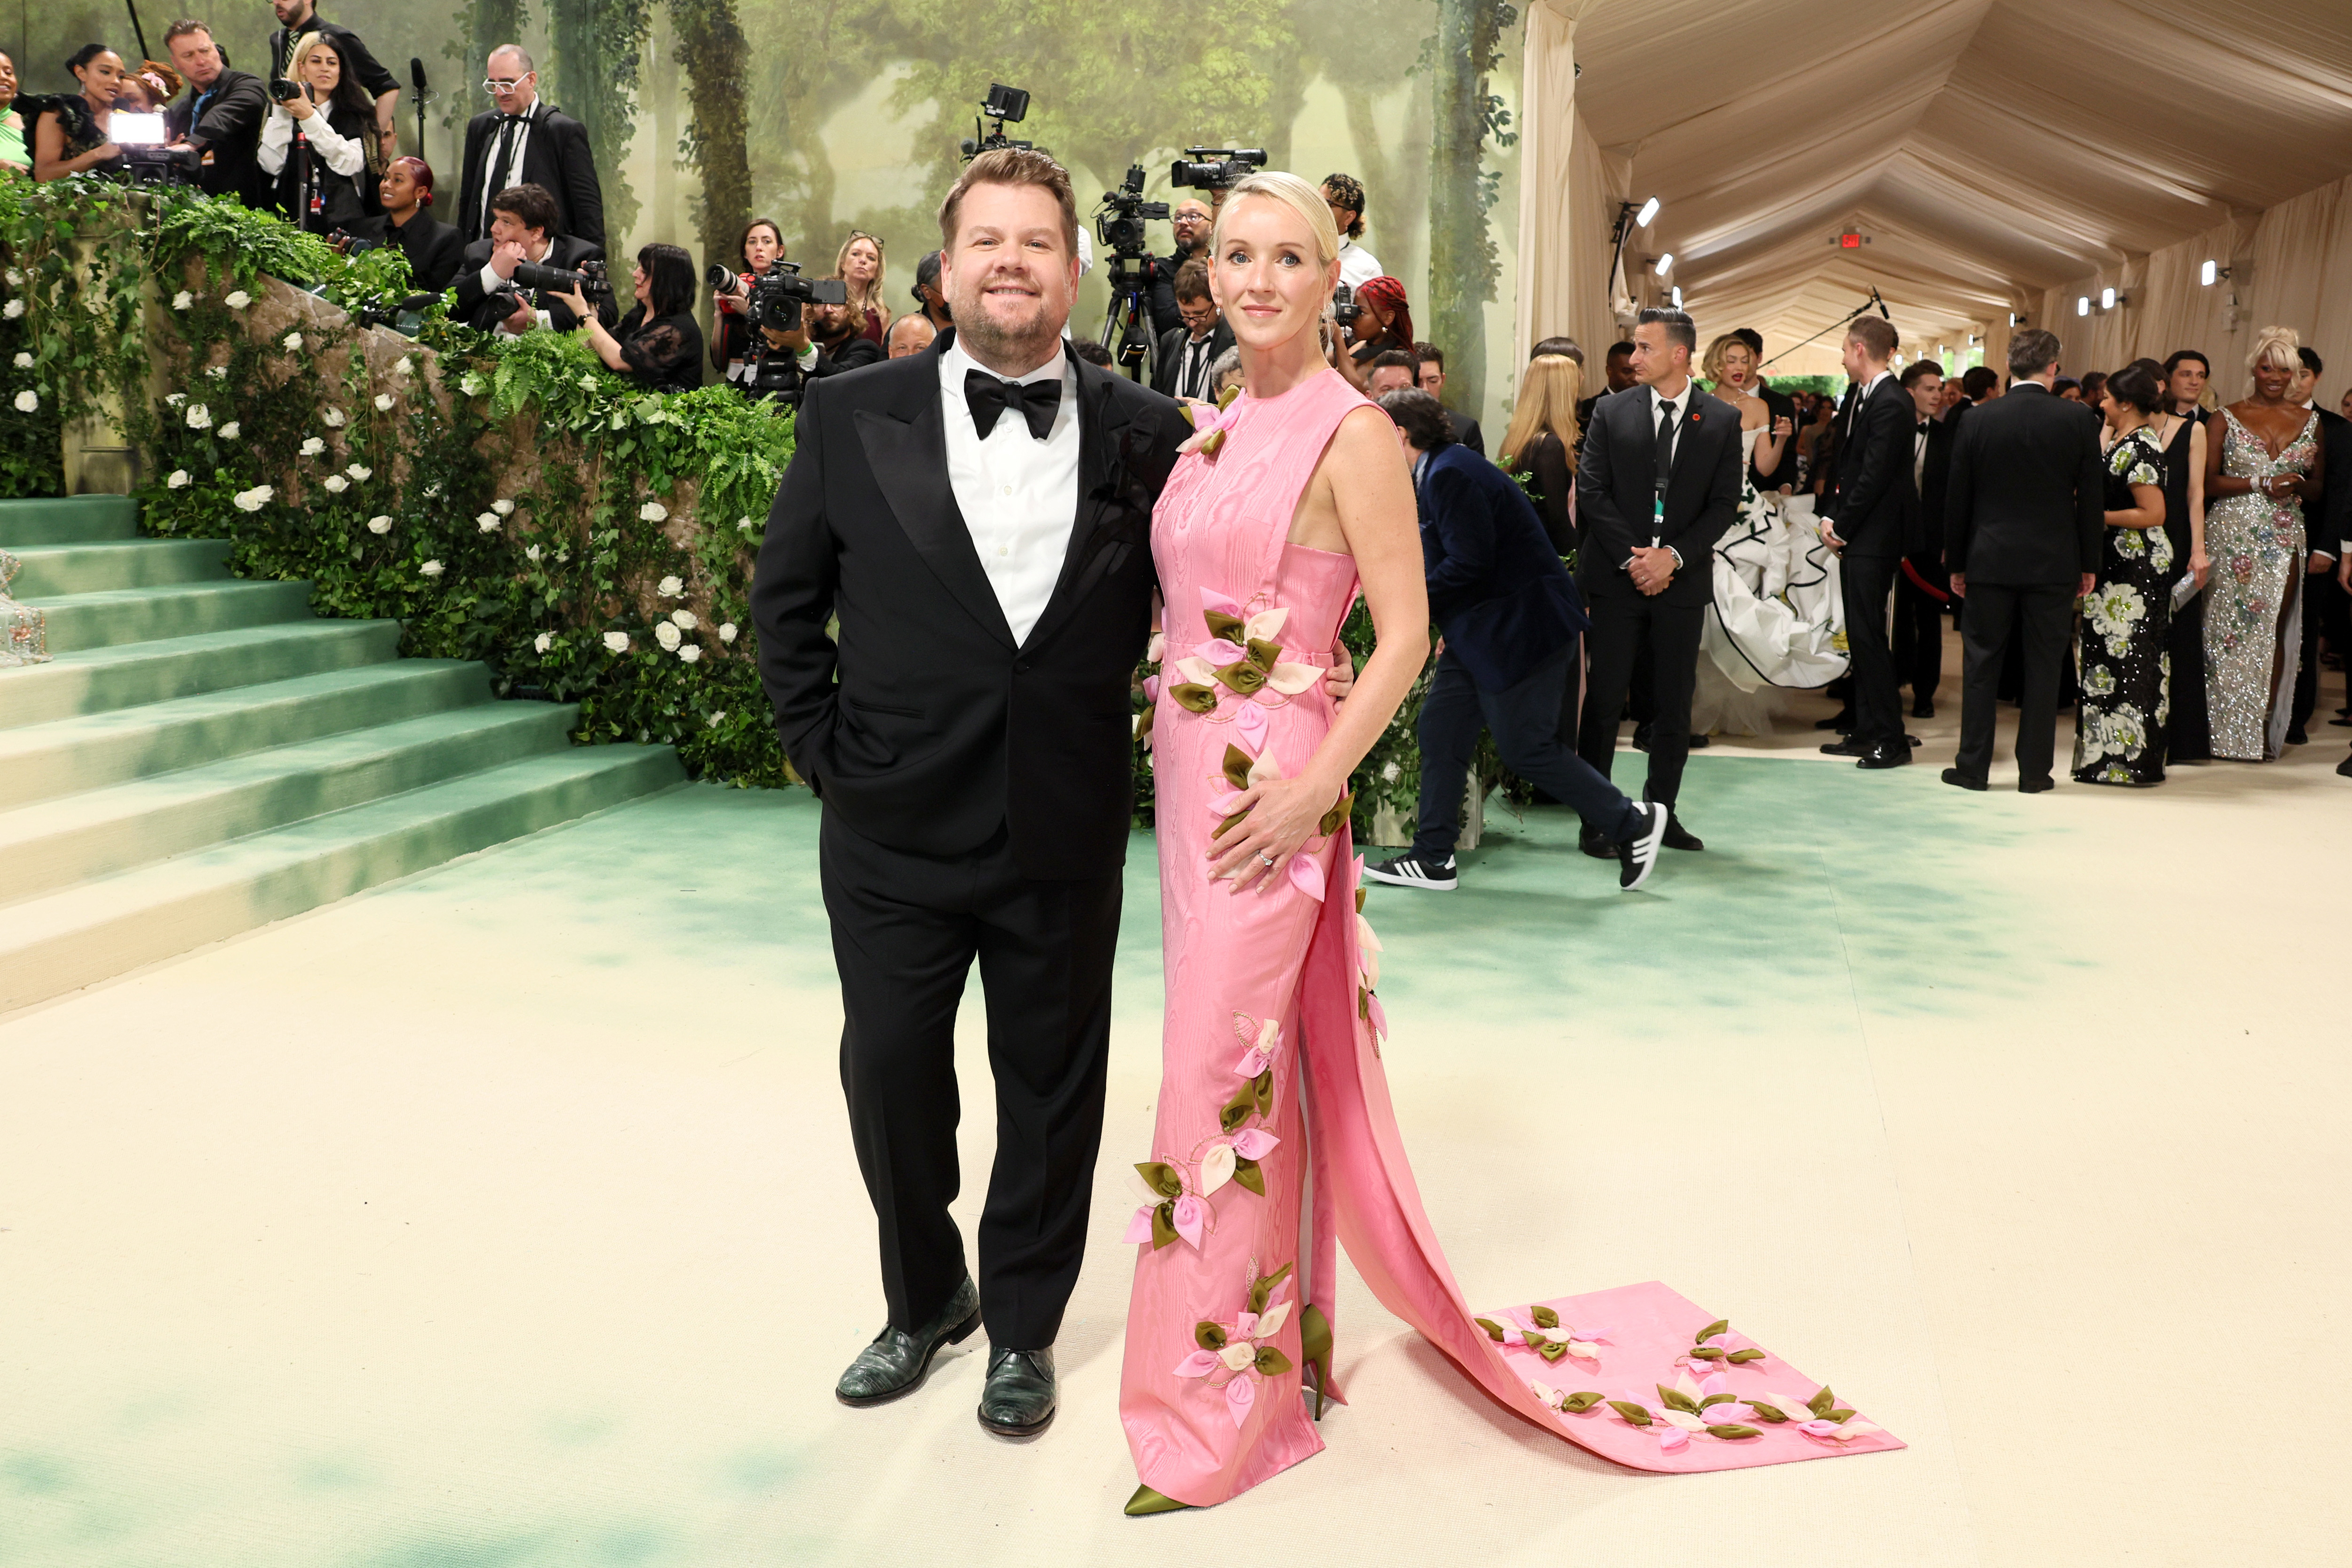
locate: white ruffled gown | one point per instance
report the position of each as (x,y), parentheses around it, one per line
(1775,624)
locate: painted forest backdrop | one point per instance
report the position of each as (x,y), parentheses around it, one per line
(828,115)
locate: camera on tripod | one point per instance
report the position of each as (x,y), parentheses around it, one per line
(1118,221)
(773,299)
(1129,269)
(1216,168)
(1001,104)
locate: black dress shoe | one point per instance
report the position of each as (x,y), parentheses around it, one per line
(1954,776)
(2344,769)
(898,1362)
(1910,740)
(1698,743)
(2035,785)
(1680,837)
(2296,736)
(1641,737)
(1924,708)
(1846,748)
(1017,1400)
(1597,844)
(1842,723)
(1884,756)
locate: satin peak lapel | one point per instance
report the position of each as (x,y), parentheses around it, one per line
(909,460)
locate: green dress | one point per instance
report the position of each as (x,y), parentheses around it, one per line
(11,142)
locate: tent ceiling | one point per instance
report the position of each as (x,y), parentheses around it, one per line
(1990,149)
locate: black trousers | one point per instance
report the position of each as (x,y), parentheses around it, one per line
(2323,615)
(2044,613)
(1623,625)
(906,929)
(1526,722)
(1918,632)
(1863,583)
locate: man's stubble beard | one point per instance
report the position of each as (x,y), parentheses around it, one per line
(1031,344)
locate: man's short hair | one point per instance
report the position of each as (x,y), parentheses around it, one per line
(517,51)
(1013,166)
(1421,417)
(1876,335)
(182,27)
(2032,351)
(1089,351)
(2311,360)
(1980,381)
(1394,359)
(1192,280)
(1918,371)
(1348,192)
(531,205)
(1566,348)
(1626,348)
(1427,354)
(2183,356)
(1753,337)
(1680,327)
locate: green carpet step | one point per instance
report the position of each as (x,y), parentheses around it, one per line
(54,843)
(93,930)
(67,519)
(104,679)
(91,751)
(85,621)
(54,571)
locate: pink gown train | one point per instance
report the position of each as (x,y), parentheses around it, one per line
(1274,1138)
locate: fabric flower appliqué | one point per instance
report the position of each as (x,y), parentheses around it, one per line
(1235,1358)
(1687,1410)
(1243,654)
(1538,1329)
(1716,1347)
(1820,1417)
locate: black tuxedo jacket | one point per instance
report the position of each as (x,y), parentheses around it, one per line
(483,310)
(1615,486)
(1934,481)
(1872,499)
(1170,359)
(2327,522)
(924,723)
(1467,432)
(556,158)
(2027,499)
(230,134)
(434,251)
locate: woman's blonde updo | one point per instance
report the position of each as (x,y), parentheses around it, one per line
(1292,192)
(2279,346)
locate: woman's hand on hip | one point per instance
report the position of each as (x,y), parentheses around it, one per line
(1282,815)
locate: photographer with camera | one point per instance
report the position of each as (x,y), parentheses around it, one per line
(296,21)
(835,336)
(762,246)
(1192,220)
(222,121)
(516,277)
(320,142)
(657,342)
(781,311)
(432,247)
(1181,369)
(1378,320)
(1344,195)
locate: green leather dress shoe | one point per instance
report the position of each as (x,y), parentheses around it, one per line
(898,1362)
(1017,1400)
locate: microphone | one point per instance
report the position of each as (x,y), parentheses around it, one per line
(417,74)
(1882,304)
(417,78)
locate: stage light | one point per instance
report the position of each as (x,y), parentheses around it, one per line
(2209,274)
(2106,298)
(1649,209)
(2082,305)
(1678,296)
(1664,262)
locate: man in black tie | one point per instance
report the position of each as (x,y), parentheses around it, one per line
(1923,591)
(2023,518)
(1659,484)
(1181,368)
(1868,514)
(525,142)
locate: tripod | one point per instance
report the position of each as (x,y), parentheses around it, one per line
(1126,329)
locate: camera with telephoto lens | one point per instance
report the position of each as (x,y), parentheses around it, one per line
(1344,308)
(1001,104)
(591,280)
(1216,168)
(774,298)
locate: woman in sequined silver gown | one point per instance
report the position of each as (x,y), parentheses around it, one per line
(2262,462)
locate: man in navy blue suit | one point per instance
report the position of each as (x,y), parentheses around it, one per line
(1510,614)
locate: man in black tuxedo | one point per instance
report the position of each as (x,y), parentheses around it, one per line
(978,518)
(1617,373)
(432,247)
(522,228)
(1659,485)
(525,142)
(1783,477)
(1181,367)
(1429,375)
(1922,590)
(222,118)
(2023,516)
(2326,521)
(1869,516)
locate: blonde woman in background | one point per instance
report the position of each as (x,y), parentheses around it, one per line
(859,267)
(1541,442)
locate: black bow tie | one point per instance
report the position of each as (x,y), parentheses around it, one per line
(989,396)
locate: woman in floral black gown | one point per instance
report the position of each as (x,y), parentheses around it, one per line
(2127,673)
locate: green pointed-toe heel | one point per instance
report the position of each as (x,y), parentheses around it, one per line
(1146,1500)
(1315,1347)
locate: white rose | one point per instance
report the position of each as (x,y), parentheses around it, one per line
(293,343)
(14,309)
(238,300)
(617,642)
(28,401)
(561,556)
(726,632)
(175,400)
(230,431)
(488,522)
(717,717)
(503,508)
(684,620)
(379,525)
(333,418)
(217,372)
(689,653)
(431,568)
(653,512)
(199,417)
(180,301)
(403,368)
(23,360)
(668,636)
(743,525)
(360,473)
(670,588)
(312,446)
(252,500)
(178,481)
(337,484)
(531,554)
(542,642)
(384,401)
(15,278)
(469,383)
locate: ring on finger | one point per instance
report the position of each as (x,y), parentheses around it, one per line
(1266,858)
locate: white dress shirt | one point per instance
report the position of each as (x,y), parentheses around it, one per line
(514,160)
(341,154)
(1357,266)
(1919,456)
(491,283)
(1019,496)
(1682,401)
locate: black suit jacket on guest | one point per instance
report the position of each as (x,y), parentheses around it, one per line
(1615,488)
(2327,522)
(229,133)
(556,157)
(483,310)
(940,728)
(2027,500)
(1467,432)
(1872,500)
(1497,587)
(1781,406)
(1169,357)
(434,251)
(1935,480)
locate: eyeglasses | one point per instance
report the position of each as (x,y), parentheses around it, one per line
(492,84)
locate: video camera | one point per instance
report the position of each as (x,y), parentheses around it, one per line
(140,137)
(1118,221)
(1216,168)
(1001,104)
(773,300)
(1344,308)
(591,280)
